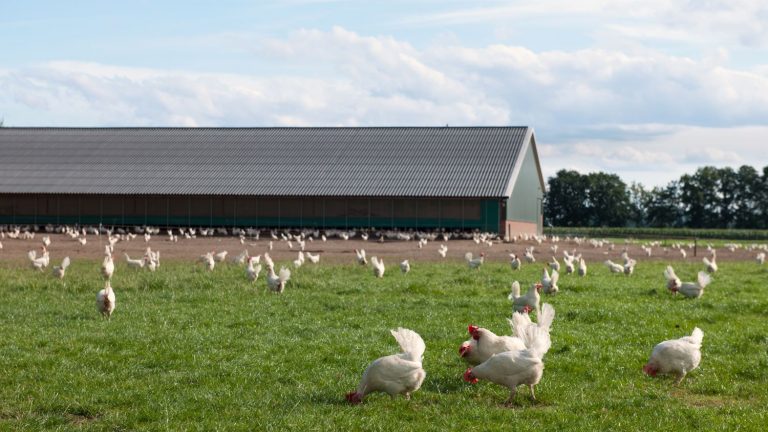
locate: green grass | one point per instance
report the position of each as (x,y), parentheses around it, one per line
(188,350)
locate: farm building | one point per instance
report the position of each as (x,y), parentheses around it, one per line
(485,178)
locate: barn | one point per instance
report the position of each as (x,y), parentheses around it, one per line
(452,178)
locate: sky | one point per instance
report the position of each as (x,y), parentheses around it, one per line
(647,89)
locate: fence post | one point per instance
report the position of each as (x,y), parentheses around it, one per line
(695,245)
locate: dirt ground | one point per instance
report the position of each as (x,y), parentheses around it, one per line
(338,251)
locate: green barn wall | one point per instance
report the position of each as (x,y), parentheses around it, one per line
(311,212)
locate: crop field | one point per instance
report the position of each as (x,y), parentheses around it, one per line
(188,349)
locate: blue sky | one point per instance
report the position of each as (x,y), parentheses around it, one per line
(646,89)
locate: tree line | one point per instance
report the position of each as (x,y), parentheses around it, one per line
(709,198)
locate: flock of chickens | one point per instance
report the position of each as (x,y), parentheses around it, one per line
(508,360)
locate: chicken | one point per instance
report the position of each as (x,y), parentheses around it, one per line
(528,302)
(41,262)
(683,253)
(514,262)
(555,264)
(569,268)
(298,262)
(405,266)
(135,263)
(251,271)
(549,284)
(513,368)
(267,260)
(484,343)
(692,289)
(275,282)
(378,266)
(711,264)
(361,257)
(615,268)
(241,258)
(629,267)
(220,257)
(442,250)
(476,262)
(58,271)
(676,357)
(529,258)
(82,241)
(105,300)
(208,261)
(673,282)
(314,259)
(760,257)
(107,267)
(582,267)
(46,241)
(394,374)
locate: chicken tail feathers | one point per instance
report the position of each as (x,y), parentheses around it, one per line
(285,274)
(515,291)
(697,336)
(546,317)
(410,342)
(704,279)
(537,341)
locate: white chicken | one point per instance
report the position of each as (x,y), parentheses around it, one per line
(529,258)
(208,261)
(314,259)
(569,268)
(673,282)
(41,262)
(554,264)
(513,368)
(241,258)
(276,283)
(629,267)
(760,258)
(676,357)
(711,264)
(58,271)
(527,303)
(361,257)
(378,266)
(549,284)
(582,267)
(476,262)
(134,263)
(220,257)
(405,266)
(298,262)
(692,289)
(394,374)
(105,300)
(514,262)
(484,343)
(442,250)
(107,267)
(613,267)
(251,271)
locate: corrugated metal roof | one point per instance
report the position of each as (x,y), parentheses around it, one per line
(347,161)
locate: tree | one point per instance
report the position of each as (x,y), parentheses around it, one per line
(565,200)
(663,208)
(607,200)
(747,196)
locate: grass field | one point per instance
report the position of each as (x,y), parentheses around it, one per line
(188,350)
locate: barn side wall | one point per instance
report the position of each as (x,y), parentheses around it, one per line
(524,207)
(320,212)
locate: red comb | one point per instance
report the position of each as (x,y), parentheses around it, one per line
(468,377)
